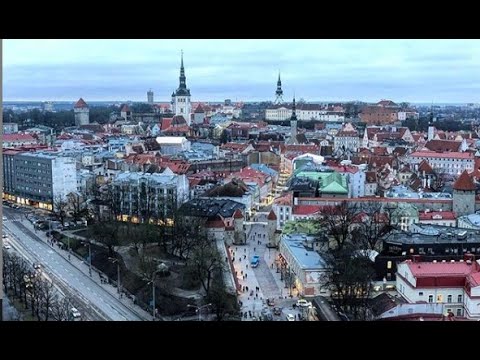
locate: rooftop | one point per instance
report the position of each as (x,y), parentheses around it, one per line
(308,259)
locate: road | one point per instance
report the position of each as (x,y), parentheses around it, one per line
(99,303)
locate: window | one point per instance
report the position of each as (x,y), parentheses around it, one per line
(430,298)
(459,299)
(459,312)
(449,298)
(420,293)
(389,264)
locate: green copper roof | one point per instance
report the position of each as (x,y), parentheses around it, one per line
(330,182)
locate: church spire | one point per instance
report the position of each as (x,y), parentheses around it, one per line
(294,111)
(182,87)
(279,92)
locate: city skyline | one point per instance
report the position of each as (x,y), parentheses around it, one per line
(244,70)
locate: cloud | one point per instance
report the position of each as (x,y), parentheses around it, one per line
(405,70)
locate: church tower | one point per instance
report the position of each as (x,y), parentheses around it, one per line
(293,125)
(279,92)
(183,106)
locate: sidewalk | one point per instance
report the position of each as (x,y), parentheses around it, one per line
(84,267)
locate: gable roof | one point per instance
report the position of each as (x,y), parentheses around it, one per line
(80,104)
(464,182)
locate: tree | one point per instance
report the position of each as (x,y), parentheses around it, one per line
(349,278)
(47,294)
(79,206)
(371,226)
(336,220)
(108,234)
(205,261)
(61,307)
(60,206)
(222,302)
(224,137)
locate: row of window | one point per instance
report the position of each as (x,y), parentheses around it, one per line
(440,298)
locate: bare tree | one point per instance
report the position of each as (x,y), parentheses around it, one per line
(337,220)
(46,297)
(79,206)
(60,206)
(205,261)
(61,307)
(108,234)
(371,226)
(349,278)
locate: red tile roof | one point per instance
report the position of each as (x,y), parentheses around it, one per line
(306,209)
(443,145)
(425,269)
(237,214)
(425,166)
(271,215)
(80,104)
(17,137)
(437,215)
(451,155)
(464,182)
(125,108)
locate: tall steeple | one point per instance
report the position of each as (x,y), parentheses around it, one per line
(279,92)
(181,98)
(182,88)
(293,125)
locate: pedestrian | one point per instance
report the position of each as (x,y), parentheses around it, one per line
(226,259)
(233,259)
(246,266)
(240,259)
(235,273)
(241,272)
(245,250)
(246,287)
(235,248)
(254,249)
(244,256)
(246,277)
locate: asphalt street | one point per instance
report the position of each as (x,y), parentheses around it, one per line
(99,302)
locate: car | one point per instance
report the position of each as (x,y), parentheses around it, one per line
(37,266)
(271,302)
(75,314)
(4,218)
(303,303)
(290,317)
(277,310)
(4,236)
(7,246)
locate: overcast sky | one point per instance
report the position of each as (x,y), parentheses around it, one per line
(367,70)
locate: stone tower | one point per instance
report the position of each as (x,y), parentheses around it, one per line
(182,96)
(239,236)
(150,96)
(464,195)
(82,113)
(272,227)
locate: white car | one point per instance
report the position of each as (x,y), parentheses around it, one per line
(7,246)
(303,303)
(75,314)
(290,317)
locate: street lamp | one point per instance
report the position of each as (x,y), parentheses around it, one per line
(153,293)
(115,260)
(199,309)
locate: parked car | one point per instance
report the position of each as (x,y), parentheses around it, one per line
(37,266)
(290,317)
(303,303)
(277,310)
(7,246)
(75,314)
(271,302)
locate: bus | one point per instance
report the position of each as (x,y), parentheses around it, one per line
(255,261)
